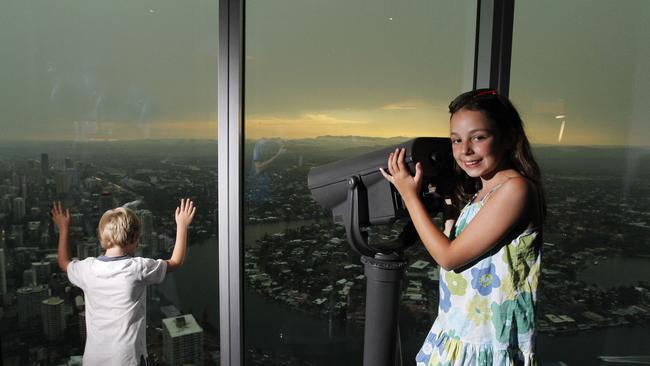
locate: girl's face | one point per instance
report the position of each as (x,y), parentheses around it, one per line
(475,144)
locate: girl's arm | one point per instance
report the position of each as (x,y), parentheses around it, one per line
(261,166)
(491,223)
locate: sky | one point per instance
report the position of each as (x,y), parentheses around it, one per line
(99,70)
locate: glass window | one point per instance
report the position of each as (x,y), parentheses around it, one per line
(325,81)
(579,78)
(106,104)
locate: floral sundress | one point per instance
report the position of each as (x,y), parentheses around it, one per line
(486,313)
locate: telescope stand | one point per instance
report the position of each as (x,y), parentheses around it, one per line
(384,273)
(381,344)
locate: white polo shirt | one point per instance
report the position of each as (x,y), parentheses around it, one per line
(115,291)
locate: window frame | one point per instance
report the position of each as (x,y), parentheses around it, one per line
(493,44)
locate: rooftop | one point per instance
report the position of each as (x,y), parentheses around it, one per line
(182,325)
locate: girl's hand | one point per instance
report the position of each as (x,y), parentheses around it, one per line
(185,212)
(407,185)
(61,218)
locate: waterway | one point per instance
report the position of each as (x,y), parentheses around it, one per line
(275,328)
(616,271)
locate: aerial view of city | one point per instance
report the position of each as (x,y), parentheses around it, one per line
(304,286)
(108,104)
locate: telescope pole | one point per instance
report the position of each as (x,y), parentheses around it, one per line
(384,274)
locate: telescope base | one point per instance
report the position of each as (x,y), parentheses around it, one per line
(384,274)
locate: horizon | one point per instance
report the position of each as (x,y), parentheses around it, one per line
(368,137)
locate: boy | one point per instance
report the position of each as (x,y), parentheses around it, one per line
(115,284)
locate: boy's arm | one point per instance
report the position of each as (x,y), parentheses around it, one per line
(62,220)
(184,215)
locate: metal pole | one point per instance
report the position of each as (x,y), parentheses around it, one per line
(384,275)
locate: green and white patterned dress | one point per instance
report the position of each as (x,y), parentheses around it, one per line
(486,313)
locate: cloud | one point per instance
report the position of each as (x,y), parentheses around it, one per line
(306,125)
(310,118)
(412,105)
(324,118)
(400,106)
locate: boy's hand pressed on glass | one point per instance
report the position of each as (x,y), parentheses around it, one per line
(61,219)
(183,215)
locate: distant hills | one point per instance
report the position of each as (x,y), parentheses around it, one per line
(579,160)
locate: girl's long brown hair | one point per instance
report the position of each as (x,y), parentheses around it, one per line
(510,128)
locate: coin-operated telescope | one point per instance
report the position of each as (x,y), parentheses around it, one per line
(359,197)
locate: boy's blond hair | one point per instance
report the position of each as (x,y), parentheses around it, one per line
(118,227)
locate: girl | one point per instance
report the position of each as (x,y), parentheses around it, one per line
(490,263)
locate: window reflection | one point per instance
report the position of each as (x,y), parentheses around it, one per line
(106,105)
(594,155)
(329,91)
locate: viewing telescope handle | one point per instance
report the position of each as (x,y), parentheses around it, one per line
(357,199)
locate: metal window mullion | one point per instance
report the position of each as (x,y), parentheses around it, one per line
(493,44)
(230,167)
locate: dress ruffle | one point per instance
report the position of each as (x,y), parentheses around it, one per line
(444,350)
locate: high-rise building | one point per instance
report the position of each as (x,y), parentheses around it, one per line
(29,277)
(23,187)
(75,361)
(82,325)
(182,341)
(146,227)
(53,316)
(3,273)
(106,202)
(77,219)
(5,203)
(43,271)
(15,180)
(64,181)
(45,164)
(87,249)
(19,208)
(29,301)
(34,232)
(17,235)
(68,163)
(53,258)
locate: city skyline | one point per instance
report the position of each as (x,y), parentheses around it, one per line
(285,137)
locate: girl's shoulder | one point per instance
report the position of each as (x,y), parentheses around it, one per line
(521,191)
(514,185)
(518,181)
(515,192)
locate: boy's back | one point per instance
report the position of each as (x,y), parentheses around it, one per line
(115,292)
(115,284)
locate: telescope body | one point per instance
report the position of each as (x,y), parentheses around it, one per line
(329,183)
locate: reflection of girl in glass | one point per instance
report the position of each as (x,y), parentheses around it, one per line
(490,260)
(265,154)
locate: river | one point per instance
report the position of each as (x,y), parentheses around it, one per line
(616,271)
(278,329)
